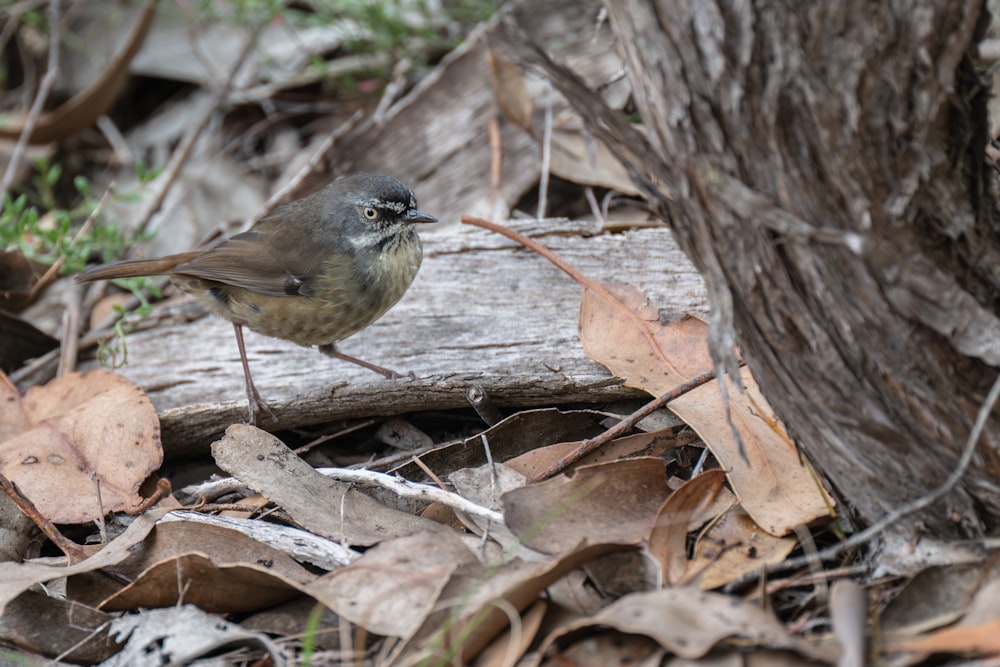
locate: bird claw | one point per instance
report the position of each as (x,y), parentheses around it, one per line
(256,407)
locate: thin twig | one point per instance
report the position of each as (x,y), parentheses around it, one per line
(163,489)
(53,271)
(588,446)
(119,145)
(69,345)
(101,524)
(74,553)
(407,489)
(494,488)
(397,457)
(494,481)
(49,80)
(496,158)
(392,90)
(595,208)
(183,152)
(543,181)
(316,442)
(431,475)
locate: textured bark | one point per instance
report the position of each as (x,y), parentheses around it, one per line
(822,165)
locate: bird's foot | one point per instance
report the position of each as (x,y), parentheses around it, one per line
(257,407)
(330,350)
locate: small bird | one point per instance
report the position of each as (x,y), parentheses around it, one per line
(314,271)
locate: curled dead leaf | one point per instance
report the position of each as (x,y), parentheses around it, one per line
(215,568)
(80,446)
(668,538)
(619,328)
(689,623)
(615,501)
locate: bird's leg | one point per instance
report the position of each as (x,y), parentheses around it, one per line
(330,350)
(257,404)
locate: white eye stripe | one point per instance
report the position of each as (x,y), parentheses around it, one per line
(397,207)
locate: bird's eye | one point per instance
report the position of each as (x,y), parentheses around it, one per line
(370,213)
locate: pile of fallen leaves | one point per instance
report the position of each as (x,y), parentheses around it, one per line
(495,566)
(682,533)
(482,551)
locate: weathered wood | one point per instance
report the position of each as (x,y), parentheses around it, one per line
(822,163)
(482,310)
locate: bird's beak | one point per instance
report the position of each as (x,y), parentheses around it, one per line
(413,215)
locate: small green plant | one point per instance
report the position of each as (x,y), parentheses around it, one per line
(112,351)
(55,237)
(413,29)
(404,29)
(309,635)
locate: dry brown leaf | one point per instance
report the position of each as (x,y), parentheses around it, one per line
(621,330)
(215,568)
(392,588)
(579,157)
(476,603)
(668,538)
(734,547)
(82,636)
(967,640)
(978,633)
(936,597)
(20,341)
(60,440)
(607,502)
(690,623)
(319,504)
(484,485)
(507,649)
(509,89)
(534,462)
(15,578)
(609,578)
(17,277)
(723,502)
(601,649)
(198,579)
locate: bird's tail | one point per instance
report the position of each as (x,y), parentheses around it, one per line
(132,268)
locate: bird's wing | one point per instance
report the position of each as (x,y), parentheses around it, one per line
(252,261)
(242,261)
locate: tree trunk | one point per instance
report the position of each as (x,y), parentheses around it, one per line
(823,166)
